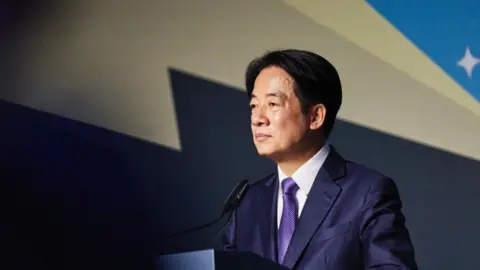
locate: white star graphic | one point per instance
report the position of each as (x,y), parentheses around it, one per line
(468,62)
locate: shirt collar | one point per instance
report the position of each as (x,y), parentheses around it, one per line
(305,175)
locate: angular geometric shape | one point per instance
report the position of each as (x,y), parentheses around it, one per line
(446,31)
(468,62)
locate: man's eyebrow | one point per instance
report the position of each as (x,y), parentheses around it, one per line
(272,94)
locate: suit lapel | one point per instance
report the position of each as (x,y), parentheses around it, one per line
(267,216)
(321,198)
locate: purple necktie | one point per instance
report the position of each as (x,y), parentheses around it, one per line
(289,217)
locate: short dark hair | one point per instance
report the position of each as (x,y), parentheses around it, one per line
(316,80)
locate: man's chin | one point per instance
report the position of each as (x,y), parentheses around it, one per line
(275,155)
(264,152)
(268,153)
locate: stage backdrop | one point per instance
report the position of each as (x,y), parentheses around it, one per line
(123,121)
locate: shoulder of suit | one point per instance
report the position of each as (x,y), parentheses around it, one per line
(363,180)
(366,173)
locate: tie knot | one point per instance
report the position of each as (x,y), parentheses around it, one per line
(289,186)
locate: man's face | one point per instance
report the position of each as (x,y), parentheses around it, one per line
(278,125)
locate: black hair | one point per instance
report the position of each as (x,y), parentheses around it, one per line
(316,81)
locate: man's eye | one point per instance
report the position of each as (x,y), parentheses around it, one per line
(271,104)
(253,106)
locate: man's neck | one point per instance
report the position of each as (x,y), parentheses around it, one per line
(291,164)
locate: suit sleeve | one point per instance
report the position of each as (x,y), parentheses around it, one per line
(229,238)
(385,239)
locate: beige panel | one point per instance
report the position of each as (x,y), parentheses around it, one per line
(108,67)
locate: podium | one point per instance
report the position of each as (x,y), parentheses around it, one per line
(211,259)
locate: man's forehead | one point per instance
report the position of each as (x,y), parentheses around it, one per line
(281,79)
(275,79)
(275,85)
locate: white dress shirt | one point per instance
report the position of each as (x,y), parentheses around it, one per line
(304,177)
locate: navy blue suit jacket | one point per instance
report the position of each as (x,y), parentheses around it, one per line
(352,219)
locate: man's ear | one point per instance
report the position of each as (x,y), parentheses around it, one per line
(318,113)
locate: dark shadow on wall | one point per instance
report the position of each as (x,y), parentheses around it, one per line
(81,197)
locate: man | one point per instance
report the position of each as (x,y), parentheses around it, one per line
(318,211)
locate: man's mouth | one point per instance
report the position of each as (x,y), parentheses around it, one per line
(262,137)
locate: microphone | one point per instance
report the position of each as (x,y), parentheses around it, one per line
(233,201)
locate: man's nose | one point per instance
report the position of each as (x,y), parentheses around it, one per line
(259,117)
